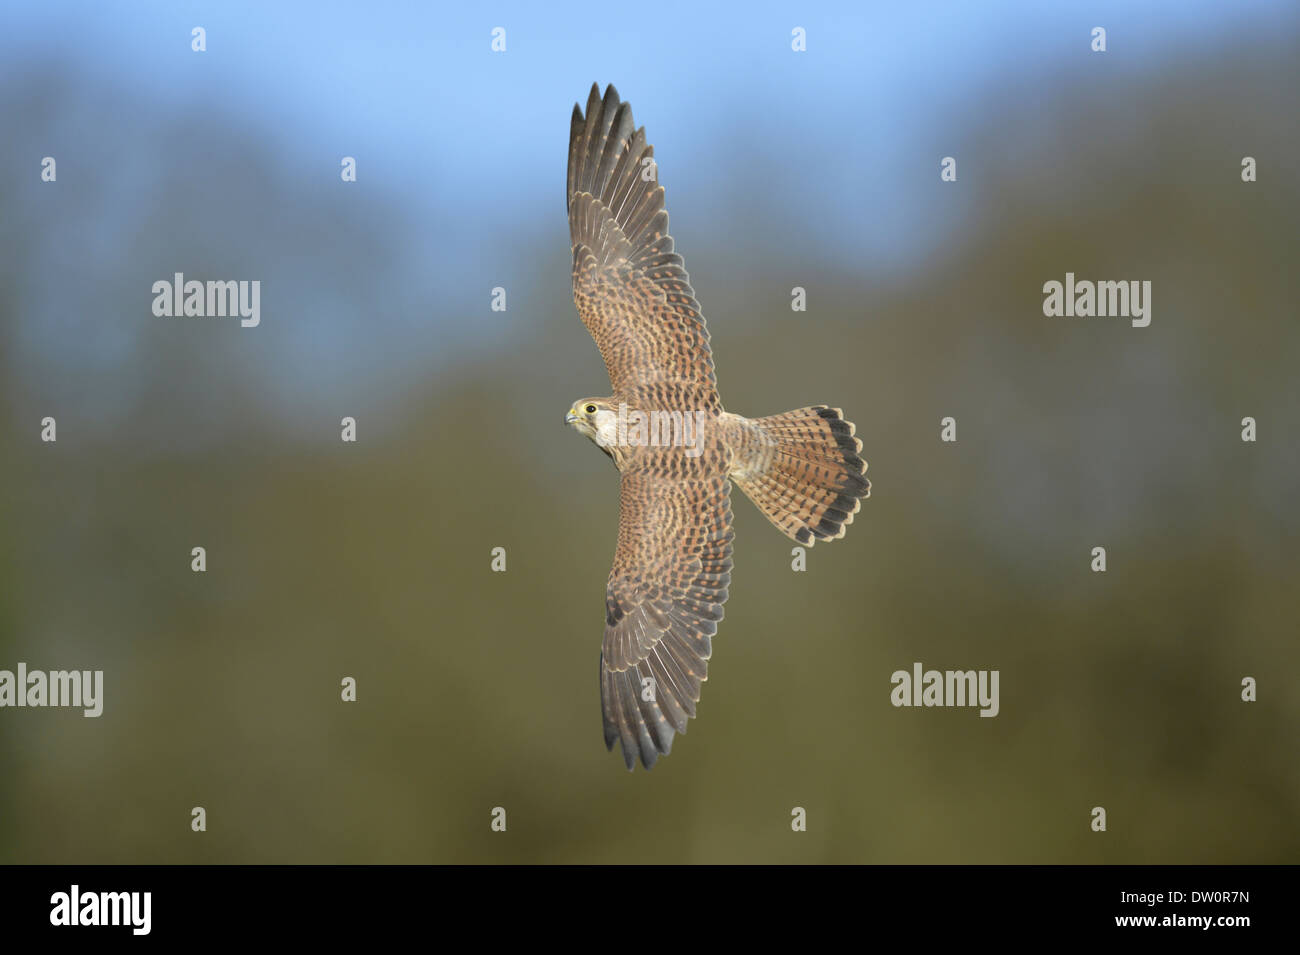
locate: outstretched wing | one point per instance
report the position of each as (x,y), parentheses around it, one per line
(631,288)
(663,602)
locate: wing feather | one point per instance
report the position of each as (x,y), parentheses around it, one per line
(664,597)
(631,288)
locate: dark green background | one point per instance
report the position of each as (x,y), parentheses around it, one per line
(479,690)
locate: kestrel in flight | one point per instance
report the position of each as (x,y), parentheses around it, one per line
(677,451)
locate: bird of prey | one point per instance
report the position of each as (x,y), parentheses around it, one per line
(803,469)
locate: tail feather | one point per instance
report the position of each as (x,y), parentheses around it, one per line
(805,473)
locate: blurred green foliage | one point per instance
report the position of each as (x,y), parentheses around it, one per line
(479,690)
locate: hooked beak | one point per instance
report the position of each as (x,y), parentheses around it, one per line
(570,417)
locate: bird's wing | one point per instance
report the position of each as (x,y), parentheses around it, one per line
(631,288)
(662,606)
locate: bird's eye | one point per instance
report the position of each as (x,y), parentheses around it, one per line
(590,409)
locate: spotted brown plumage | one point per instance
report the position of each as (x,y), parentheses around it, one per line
(672,565)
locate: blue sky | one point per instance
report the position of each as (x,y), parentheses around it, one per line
(414,91)
(469,145)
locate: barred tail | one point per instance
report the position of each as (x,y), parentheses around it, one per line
(805,473)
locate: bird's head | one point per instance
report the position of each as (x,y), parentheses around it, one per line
(597,418)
